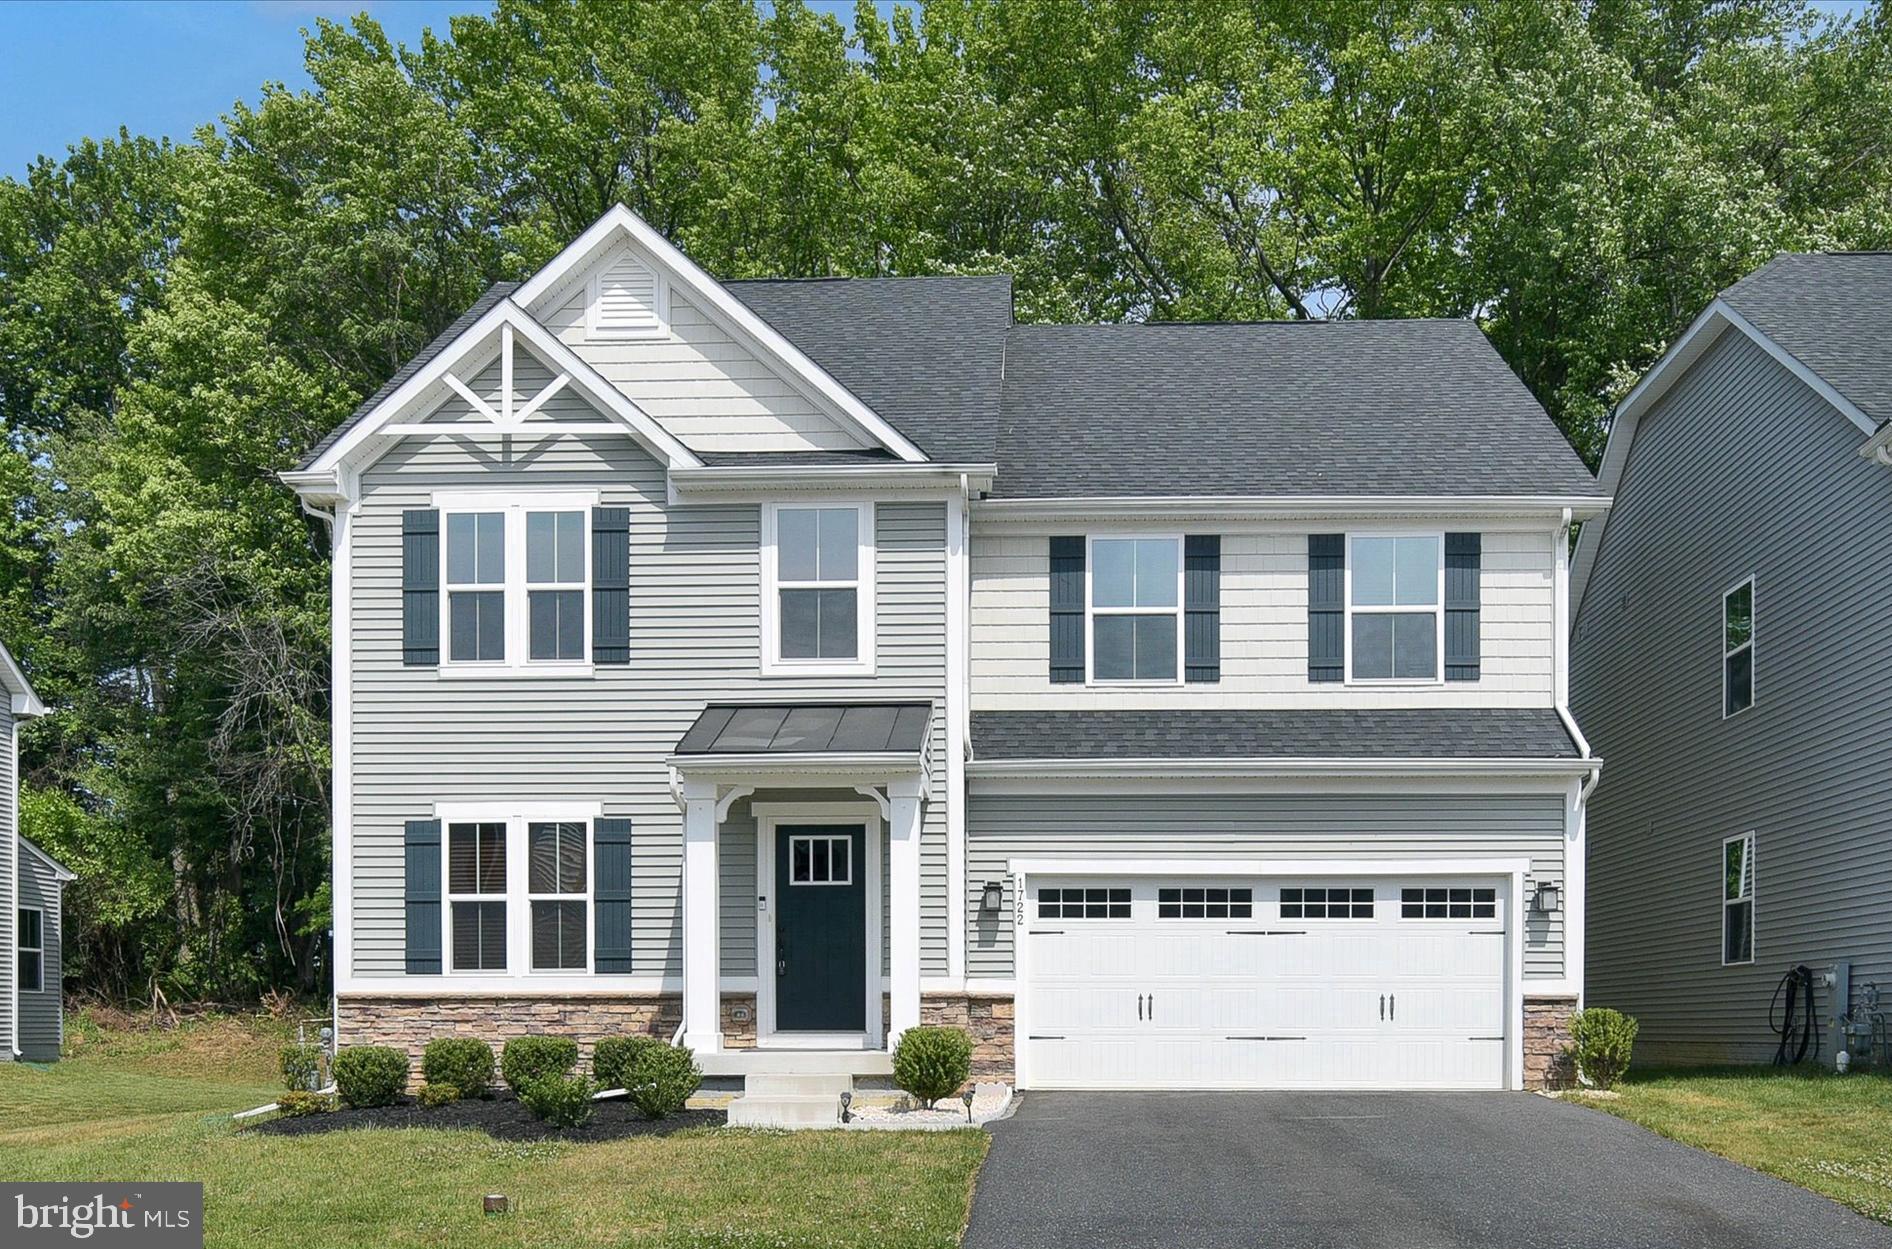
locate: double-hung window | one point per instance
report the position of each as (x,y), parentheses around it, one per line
(1737,900)
(1395,607)
(1737,649)
(516,581)
(1135,610)
(818,586)
(556,885)
(30,945)
(476,895)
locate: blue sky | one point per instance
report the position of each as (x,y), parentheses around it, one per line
(75,69)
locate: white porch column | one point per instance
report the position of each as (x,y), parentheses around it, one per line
(702,960)
(903,887)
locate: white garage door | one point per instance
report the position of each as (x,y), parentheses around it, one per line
(1231,983)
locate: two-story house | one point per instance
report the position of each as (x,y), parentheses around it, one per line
(32,885)
(1731,617)
(783,664)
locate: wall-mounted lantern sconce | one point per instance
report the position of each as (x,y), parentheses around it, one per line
(1547,899)
(991,897)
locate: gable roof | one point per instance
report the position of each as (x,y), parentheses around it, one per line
(1831,311)
(61,873)
(13,682)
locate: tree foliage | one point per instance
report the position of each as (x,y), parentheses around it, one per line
(178,323)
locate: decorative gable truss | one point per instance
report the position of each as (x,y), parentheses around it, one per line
(505,334)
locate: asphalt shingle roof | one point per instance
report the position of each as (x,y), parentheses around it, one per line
(1830,311)
(1469,733)
(807,728)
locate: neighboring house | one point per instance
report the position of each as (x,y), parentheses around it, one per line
(32,1024)
(790,663)
(1732,617)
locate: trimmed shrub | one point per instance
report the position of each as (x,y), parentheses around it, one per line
(301,1067)
(612,1060)
(561,1100)
(437,1093)
(931,1063)
(529,1058)
(661,1078)
(300,1102)
(460,1061)
(370,1075)
(1600,1041)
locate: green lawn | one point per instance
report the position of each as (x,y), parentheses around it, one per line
(1832,1134)
(158,1109)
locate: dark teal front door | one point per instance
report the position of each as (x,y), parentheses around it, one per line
(820,928)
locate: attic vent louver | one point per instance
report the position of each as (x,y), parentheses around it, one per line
(626,301)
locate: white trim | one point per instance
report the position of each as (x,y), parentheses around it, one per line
(1394,609)
(764,483)
(342,754)
(1294,507)
(669,262)
(1751,897)
(20,947)
(25,702)
(490,812)
(768,815)
(516,816)
(958,726)
(863,586)
(61,873)
(1256,767)
(1701,334)
(1091,611)
(1753,634)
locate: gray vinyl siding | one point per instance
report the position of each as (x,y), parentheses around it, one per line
(9,847)
(42,1023)
(1001,827)
(1740,470)
(421,738)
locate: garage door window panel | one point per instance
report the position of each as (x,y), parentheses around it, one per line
(1205,902)
(1327,902)
(1087,903)
(1448,902)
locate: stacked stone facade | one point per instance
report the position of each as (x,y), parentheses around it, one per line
(1546,1036)
(987,1018)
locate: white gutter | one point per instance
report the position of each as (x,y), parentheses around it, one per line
(764,482)
(1291,506)
(1277,766)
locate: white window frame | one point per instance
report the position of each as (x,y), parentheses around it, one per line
(1403,609)
(1721,888)
(773,665)
(660,305)
(40,949)
(1753,633)
(1091,611)
(795,839)
(518,899)
(514,505)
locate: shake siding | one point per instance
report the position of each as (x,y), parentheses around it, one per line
(42,1027)
(1263,623)
(9,850)
(1739,470)
(704,386)
(1004,827)
(695,636)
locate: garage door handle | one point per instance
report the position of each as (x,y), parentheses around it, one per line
(1152,1008)
(1392,1006)
(1139,1006)
(1382,1007)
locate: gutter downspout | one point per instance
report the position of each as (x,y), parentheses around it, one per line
(1576,840)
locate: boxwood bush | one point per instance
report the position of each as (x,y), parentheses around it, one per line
(301,1067)
(437,1093)
(370,1075)
(614,1056)
(1600,1041)
(461,1061)
(563,1101)
(300,1102)
(661,1079)
(931,1063)
(529,1058)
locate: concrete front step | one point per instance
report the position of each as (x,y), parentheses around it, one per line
(797,1084)
(751,1062)
(786,1110)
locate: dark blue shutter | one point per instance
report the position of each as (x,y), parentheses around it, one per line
(1067,610)
(611,895)
(423,897)
(1463,552)
(611,585)
(1326,606)
(420,587)
(1202,607)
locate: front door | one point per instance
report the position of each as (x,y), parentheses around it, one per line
(820,928)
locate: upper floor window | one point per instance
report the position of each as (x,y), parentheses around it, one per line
(1395,607)
(1737,649)
(818,588)
(31,948)
(516,580)
(1136,609)
(1737,899)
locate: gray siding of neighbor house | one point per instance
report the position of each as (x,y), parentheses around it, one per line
(1738,471)
(421,738)
(9,847)
(1001,827)
(42,1023)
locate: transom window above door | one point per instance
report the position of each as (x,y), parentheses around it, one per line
(820,859)
(818,573)
(1136,609)
(1395,607)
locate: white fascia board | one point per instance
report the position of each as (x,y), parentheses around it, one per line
(1265,767)
(1261,507)
(724,307)
(757,483)
(866,767)
(25,702)
(1283,866)
(351,451)
(63,874)
(1702,334)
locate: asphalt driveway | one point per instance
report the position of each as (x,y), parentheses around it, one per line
(1340,1170)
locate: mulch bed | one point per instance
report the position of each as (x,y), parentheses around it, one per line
(503,1118)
